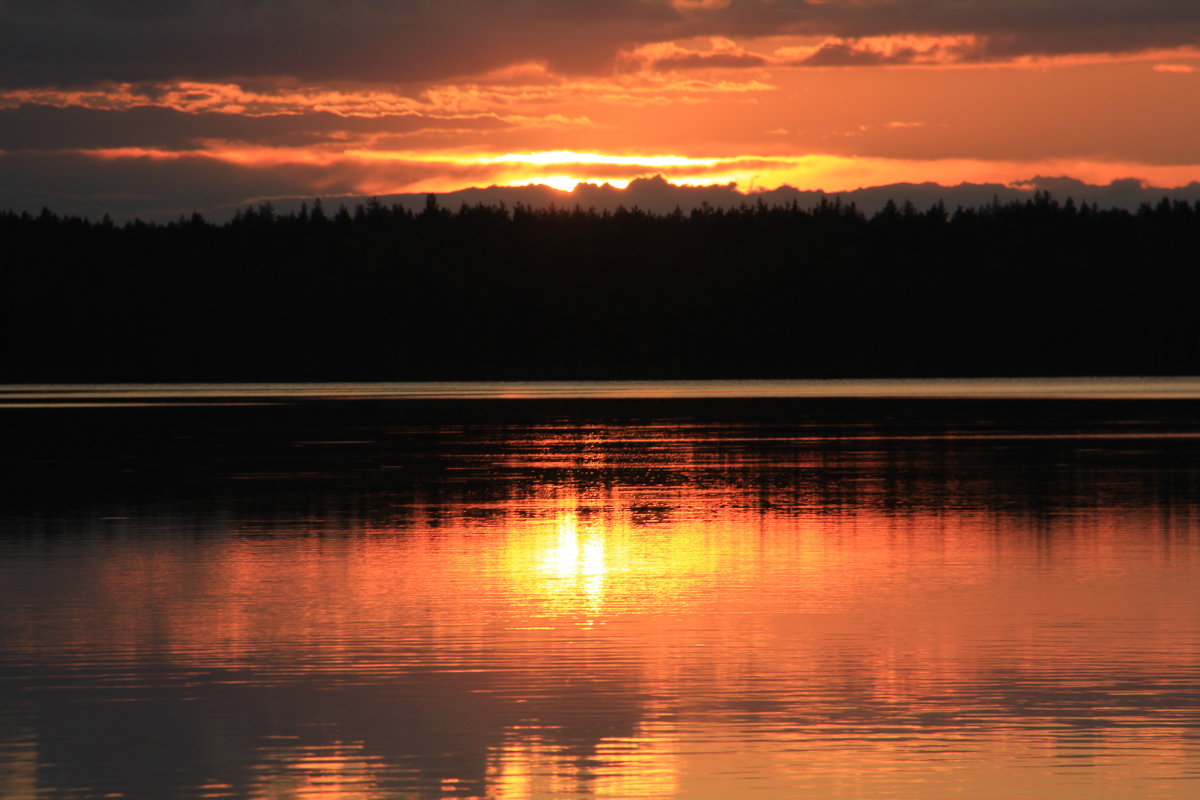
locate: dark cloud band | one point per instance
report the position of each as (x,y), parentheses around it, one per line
(80,42)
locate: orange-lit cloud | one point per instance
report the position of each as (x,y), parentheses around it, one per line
(527,86)
(716,52)
(700,5)
(725,53)
(902,49)
(775,53)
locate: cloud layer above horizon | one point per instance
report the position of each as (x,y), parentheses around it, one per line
(164,106)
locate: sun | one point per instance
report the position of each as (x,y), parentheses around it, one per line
(564,183)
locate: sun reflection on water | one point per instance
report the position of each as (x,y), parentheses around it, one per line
(337,771)
(530,764)
(575,560)
(630,613)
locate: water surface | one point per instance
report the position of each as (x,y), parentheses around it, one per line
(706,598)
(143,394)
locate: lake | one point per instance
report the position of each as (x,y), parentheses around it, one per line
(904,589)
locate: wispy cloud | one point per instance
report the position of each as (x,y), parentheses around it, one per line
(1179,69)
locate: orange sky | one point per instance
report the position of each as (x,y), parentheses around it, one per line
(764,94)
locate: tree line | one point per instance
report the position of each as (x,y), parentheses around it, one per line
(1034,287)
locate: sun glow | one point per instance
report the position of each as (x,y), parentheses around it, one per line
(569,157)
(381,172)
(564,183)
(824,111)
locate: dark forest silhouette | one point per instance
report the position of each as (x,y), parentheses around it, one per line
(380,292)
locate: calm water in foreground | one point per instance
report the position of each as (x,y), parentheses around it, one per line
(272,594)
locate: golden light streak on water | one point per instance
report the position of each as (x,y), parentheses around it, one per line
(82,395)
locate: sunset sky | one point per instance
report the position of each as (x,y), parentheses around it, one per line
(164,106)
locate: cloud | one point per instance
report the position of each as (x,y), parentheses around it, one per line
(157,184)
(80,183)
(41,127)
(503,94)
(265,98)
(72,43)
(714,52)
(1180,69)
(700,5)
(905,49)
(1010,27)
(81,42)
(721,53)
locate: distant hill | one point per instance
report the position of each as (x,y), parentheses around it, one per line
(657,195)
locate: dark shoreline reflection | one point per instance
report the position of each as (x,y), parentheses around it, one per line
(802,453)
(623,599)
